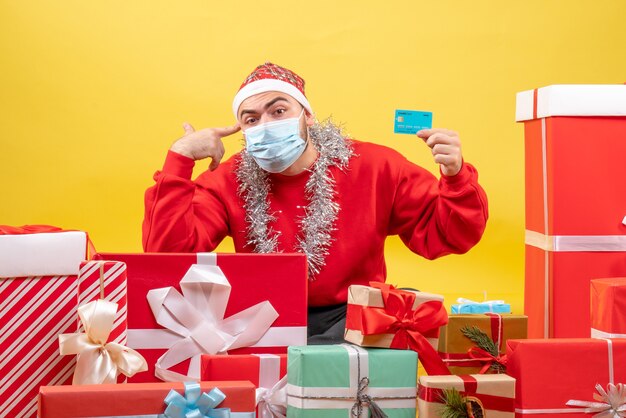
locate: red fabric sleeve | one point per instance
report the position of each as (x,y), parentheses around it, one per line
(181,215)
(435,218)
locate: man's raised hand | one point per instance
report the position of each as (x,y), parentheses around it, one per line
(205,143)
(446,148)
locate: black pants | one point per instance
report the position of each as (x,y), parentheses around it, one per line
(327,324)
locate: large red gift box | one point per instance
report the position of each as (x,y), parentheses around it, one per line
(38,301)
(135,399)
(280,279)
(575,201)
(608,308)
(551,372)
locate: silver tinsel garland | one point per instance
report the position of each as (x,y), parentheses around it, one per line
(317,225)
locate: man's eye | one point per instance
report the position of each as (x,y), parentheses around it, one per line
(280,111)
(250,120)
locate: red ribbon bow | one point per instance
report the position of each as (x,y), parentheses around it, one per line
(408,325)
(477,353)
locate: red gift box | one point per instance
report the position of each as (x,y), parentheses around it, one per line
(608,308)
(35,308)
(575,201)
(549,373)
(133,399)
(265,371)
(280,279)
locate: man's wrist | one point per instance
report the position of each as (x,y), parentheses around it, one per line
(181,149)
(459,179)
(178,165)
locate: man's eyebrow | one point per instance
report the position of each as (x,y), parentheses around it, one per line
(267,105)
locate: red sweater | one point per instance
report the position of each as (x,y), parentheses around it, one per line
(380,194)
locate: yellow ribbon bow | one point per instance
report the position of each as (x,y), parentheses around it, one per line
(98,361)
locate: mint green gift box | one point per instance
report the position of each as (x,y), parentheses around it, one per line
(323,381)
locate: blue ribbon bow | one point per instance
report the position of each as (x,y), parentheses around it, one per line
(195,403)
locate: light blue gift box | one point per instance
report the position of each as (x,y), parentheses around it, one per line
(337,381)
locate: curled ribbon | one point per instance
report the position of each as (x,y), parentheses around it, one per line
(99,361)
(197,317)
(407,325)
(272,402)
(195,403)
(611,402)
(478,354)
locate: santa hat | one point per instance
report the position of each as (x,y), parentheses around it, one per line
(271,77)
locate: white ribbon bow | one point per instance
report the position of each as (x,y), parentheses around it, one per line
(272,403)
(611,402)
(99,361)
(197,316)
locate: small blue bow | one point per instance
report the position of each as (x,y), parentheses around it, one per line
(195,403)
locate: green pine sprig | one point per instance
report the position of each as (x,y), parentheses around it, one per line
(453,404)
(482,340)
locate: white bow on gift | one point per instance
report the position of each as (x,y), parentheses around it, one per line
(99,361)
(272,402)
(197,317)
(611,402)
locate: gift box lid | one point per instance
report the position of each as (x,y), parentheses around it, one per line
(492,384)
(331,366)
(571,100)
(132,399)
(42,254)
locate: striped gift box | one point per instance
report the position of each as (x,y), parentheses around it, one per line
(34,309)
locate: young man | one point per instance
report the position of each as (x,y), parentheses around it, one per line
(302,186)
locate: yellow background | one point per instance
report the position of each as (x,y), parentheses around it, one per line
(92,94)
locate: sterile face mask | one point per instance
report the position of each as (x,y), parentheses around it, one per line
(275,145)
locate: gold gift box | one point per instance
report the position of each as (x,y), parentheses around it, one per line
(494,394)
(454,345)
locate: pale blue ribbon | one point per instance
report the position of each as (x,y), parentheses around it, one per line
(195,403)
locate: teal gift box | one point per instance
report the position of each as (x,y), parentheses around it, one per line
(345,381)
(467,306)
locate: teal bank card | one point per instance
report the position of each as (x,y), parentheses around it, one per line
(411,121)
